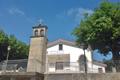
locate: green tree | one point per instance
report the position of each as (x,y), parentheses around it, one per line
(3,45)
(19,50)
(101,30)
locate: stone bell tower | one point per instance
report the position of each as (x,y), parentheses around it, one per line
(37,52)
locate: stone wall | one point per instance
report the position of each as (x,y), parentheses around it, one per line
(59,76)
(80,76)
(21,76)
(58,58)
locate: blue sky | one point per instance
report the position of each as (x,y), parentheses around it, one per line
(61,16)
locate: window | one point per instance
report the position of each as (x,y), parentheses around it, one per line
(42,33)
(60,46)
(59,65)
(100,70)
(36,32)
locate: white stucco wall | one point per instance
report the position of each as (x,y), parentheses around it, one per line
(95,68)
(73,51)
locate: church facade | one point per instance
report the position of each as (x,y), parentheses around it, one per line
(59,56)
(66,56)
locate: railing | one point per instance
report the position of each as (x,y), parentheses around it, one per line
(73,67)
(11,68)
(68,67)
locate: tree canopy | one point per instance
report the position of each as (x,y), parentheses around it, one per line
(101,30)
(19,49)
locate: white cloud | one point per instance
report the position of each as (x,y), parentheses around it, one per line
(75,14)
(16,11)
(70,12)
(78,13)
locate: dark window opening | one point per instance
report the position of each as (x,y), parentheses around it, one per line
(60,46)
(36,32)
(59,65)
(100,70)
(42,33)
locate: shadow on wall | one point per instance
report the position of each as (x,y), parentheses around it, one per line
(82,61)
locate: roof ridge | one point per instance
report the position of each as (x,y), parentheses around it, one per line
(61,41)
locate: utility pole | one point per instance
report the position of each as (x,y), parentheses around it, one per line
(6,62)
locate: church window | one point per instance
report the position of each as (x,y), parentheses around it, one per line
(59,65)
(42,33)
(36,32)
(60,46)
(100,70)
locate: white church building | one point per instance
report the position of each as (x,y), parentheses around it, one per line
(58,56)
(66,56)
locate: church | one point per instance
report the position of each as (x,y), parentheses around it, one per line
(59,56)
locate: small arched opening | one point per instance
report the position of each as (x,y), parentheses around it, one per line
(36,33)
(42,33)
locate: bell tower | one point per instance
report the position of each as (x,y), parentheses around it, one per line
(37,51)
